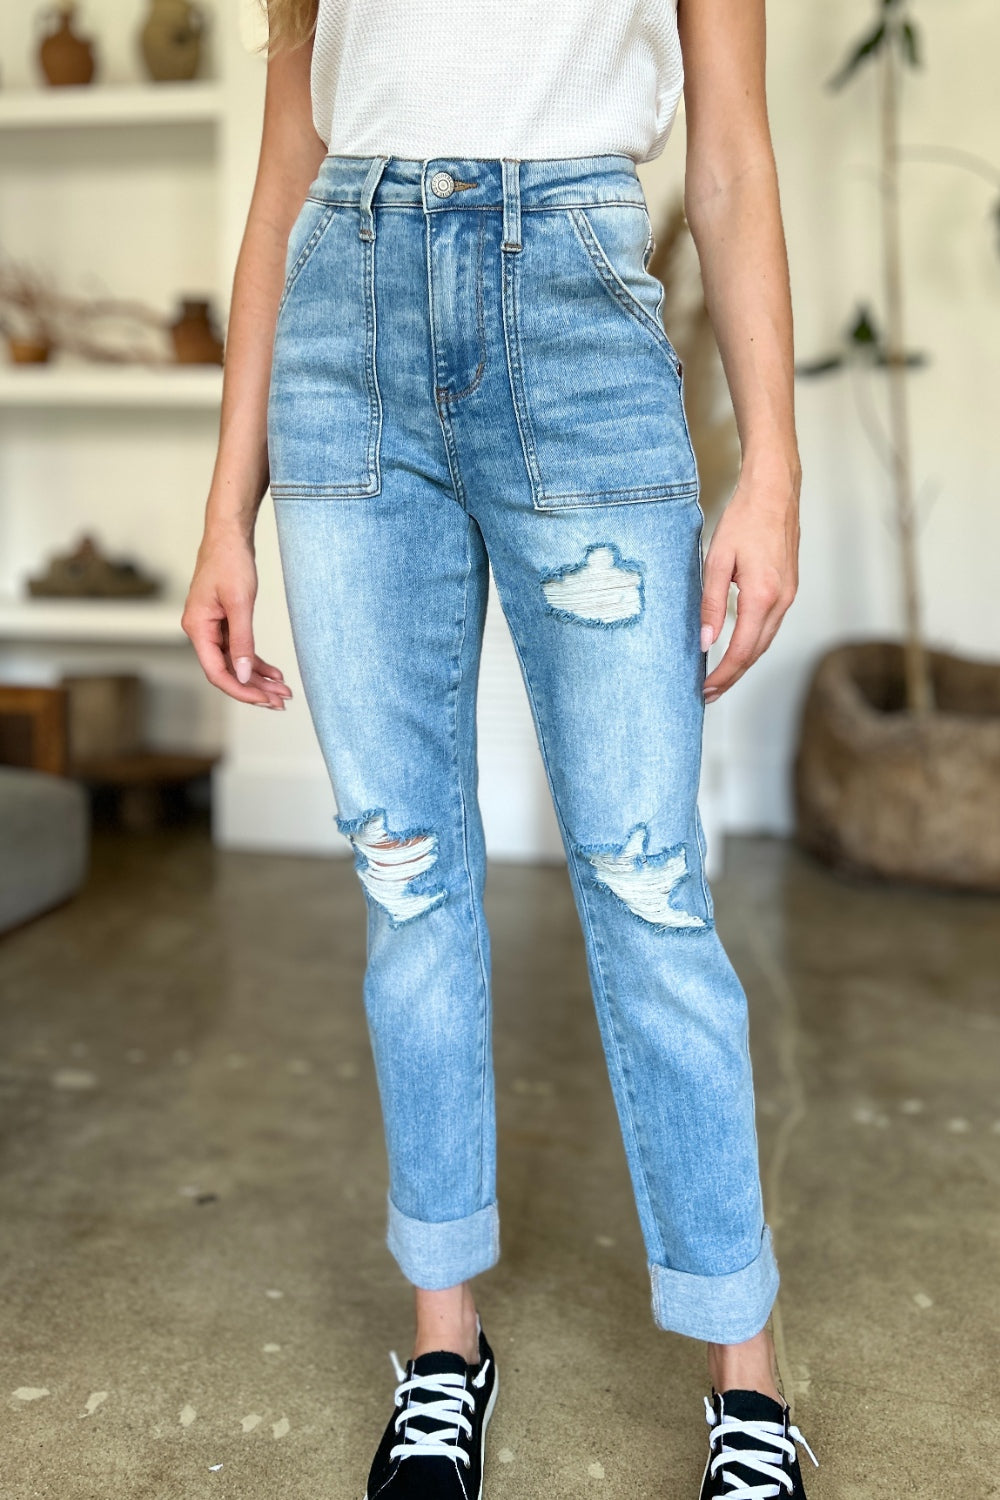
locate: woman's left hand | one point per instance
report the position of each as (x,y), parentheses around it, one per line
(755,545)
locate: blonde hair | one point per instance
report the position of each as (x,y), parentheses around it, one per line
(290,23)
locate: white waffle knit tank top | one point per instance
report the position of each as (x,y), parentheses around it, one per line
(495,78)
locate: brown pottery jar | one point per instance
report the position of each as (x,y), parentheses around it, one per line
(29,350)
(194,335)
(64,56)
(171,40)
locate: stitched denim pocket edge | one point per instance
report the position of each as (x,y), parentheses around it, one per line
(372,486)
(614,285)
(306,251)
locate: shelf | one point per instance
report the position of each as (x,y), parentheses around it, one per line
(181,386)
(46,108)
(137,622)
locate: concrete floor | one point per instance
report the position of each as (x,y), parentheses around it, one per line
(192,1190)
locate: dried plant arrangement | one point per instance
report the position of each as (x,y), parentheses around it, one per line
(38,319)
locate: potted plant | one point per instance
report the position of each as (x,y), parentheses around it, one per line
(897,771)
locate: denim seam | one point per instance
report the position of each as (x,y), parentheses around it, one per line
(441,391)
(561,500)
(371,371)
(304,255)
(473,903)
(515,370)
(449,438)
(628,1093)
(323,492)
(495,208)
(650,247)
(616,288)
(594,945)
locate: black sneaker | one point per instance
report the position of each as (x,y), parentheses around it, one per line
(434,1445)
(751,1449)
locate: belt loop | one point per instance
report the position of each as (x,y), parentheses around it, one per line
(378,166)
(511,172)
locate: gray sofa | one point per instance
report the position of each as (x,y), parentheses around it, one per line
(44,842)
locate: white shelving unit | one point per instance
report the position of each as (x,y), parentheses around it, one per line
(194,387)
(133,622)
(64,386)
(110,104)
(136,189)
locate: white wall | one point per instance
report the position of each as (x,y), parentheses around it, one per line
(273,790)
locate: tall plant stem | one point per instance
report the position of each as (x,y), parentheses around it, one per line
(917,677)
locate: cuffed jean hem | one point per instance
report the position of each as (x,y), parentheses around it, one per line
(717,1309)
(435,1256)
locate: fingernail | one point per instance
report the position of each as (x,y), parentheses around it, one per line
(711,695)
(707,636)
(244,666)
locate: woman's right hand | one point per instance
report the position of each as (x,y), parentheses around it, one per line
(218,619)
(218,614)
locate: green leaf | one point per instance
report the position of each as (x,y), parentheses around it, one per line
(866,48)
(908,40)
(822,366)
(863,331)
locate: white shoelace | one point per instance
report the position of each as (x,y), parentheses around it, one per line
(447,1410)
(769,1464)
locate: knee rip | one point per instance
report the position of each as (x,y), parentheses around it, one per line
(645,883)
(390,865)
(605,589)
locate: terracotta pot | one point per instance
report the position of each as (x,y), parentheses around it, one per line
(65,57)
(194,335)
(28,351)
(171,39)
(885,792)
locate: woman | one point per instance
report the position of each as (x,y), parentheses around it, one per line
(445,350)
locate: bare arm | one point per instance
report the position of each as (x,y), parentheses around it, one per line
(732,207)
(218,614)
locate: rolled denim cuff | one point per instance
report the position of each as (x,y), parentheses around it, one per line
(717,1309)
(435,1256)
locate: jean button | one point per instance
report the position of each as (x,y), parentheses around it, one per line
(442,184)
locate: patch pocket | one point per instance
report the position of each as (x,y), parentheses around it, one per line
(598,382)
(324,410)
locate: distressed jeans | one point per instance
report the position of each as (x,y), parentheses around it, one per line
(470,371)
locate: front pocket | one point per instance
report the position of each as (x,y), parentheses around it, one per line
(306,233)
(324,412)
(598,384)
(632,286)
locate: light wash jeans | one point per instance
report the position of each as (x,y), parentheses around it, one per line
(470,365)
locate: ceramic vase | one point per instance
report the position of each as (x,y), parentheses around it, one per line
(65,57)
(194,336)
(170,40)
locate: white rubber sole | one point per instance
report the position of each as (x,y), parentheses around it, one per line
(486,1422)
